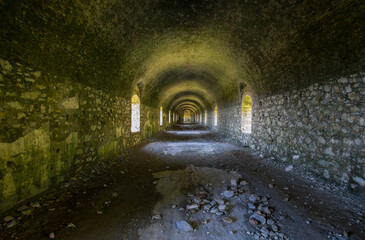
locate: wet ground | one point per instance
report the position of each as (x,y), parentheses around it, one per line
(157,179)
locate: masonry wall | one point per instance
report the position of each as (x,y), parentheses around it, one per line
(319,128)
(53,128)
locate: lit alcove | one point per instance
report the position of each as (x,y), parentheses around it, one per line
(215,115)
(169,116)
(161,116)
(205,117)
(246,114)
(136,113)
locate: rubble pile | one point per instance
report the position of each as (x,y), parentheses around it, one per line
(204,199)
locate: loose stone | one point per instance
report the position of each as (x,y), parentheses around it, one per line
(228,194)
(184,226)
(227,220)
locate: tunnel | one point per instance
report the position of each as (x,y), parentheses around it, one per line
(182,119)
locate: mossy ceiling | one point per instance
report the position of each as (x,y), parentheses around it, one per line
(175,50)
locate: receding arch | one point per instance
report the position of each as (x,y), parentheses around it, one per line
(187,116)
(246,123)
(135,114)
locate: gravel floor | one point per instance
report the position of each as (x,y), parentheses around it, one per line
(166,189)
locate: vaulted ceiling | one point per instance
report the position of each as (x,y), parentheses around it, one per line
(187,52)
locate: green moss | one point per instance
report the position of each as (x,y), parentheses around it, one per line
(108,151)
(29,164)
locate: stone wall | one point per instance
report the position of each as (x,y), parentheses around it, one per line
(52,128)
(319,128)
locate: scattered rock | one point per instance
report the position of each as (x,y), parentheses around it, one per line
(270,221)
(184,226)
(222,207)
(8,218)
(289,168)
(11,224)
(228,194)
(22,208)
(35,205)
(259,218)
(205,221)
(253,222)
(227,220)
(275,228)
(234,182)
(266,210)
(27,212)
(243,183)
(251,206)
(253,198)
(157,216)
(51,235)
(192,206)
(71,225)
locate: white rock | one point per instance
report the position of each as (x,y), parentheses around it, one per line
(192,206)
(11,224)
(234,182)
(222,207)
(289,168)
(228,194)
(157,216)
(360,181)
(51,235)
(243,183)
(184,226)
(8,218)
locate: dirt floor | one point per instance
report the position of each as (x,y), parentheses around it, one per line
(190,183)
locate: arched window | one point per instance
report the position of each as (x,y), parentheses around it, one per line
(200,117)
(246,114)
(215,115)
(205,117)
(136,113)
(173,117)
(161,117)
(169,116)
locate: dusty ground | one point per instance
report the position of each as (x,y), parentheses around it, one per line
(118,202)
